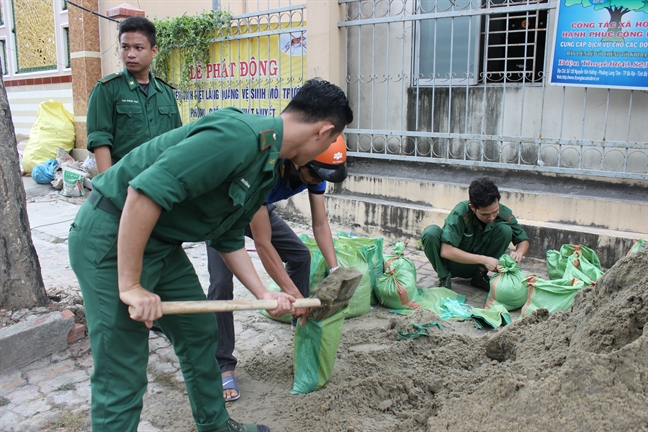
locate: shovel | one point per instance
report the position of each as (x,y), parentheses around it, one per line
(330,296)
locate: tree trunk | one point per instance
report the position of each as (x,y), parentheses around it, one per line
(21,282)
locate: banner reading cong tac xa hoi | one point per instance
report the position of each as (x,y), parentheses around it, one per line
(601,43)
(257,71)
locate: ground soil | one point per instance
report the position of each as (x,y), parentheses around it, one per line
(581,369)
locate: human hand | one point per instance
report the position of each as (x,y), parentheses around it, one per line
(517,256)
(491,263)
(147,306)
(284,303)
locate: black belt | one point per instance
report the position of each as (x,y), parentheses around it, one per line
(103,203)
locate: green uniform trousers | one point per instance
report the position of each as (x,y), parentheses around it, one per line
(120,345)
(494,244)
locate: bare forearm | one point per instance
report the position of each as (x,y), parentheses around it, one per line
(103,158)
(240,264)
(274,266)
(138,218)
(324,241)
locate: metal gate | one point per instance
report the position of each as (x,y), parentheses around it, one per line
(257,66)
(464,82)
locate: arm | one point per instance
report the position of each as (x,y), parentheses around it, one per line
(262,234)
(322,229)
(103,158)
(139,216)
(240,264)
(455,254)
(520,250)
(99,126)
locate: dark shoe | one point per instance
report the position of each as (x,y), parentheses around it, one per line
(233,426)
(481,280)
(445,281)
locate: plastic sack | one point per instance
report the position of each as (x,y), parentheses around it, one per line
(636,246)
(348,255)
(580,268)
(494,317)
(429,299)
(553,295)
(557,260)
(509,286)
(54,129)
(44,173)
(73,182)
(371,248)
(453,309)
(315,350)
(396,287)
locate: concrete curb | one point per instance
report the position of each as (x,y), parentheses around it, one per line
(33,340)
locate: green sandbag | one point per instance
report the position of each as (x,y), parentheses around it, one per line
(494,317)
(318,267)
(557,260)
(453,309)
(508,287)
(315,350)
(397,285)
(636,246)
(553,295)
(428,298)
(372,250)
(347,255)
(578,267)
(360,303)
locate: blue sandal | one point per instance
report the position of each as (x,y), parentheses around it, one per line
(229,383)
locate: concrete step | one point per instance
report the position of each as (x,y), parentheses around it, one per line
(541,206)
(605,216)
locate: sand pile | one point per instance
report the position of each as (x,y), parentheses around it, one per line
(583,369)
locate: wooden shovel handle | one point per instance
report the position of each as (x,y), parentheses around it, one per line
(204,306)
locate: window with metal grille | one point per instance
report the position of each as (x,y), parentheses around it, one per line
(3,46)
(464,42)
(66,39)
(514,44)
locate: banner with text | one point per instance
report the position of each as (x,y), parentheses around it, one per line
(601,43)
(258,74)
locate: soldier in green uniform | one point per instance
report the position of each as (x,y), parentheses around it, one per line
(201,182)
(475,234)
(130,107)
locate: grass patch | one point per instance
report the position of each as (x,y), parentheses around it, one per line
(66,387)
(69,422)
(3,401)
(167,379)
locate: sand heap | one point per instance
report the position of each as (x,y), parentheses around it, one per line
(583,369)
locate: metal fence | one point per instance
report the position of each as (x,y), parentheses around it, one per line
(464,82)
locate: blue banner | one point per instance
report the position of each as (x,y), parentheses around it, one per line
(601,43)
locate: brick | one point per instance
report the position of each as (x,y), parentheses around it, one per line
(77,333)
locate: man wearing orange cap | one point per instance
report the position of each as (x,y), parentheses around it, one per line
(276,243)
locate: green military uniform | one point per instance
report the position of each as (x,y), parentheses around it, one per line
(210,177)
(463,230)
(122,116)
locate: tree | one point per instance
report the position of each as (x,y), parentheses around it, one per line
(616,9)
(21,282)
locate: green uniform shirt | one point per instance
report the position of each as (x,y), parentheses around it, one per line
(463,230)
(122,116)
(209,176)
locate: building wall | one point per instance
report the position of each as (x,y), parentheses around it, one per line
(30,76)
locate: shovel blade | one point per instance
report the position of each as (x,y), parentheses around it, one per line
(335,292)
